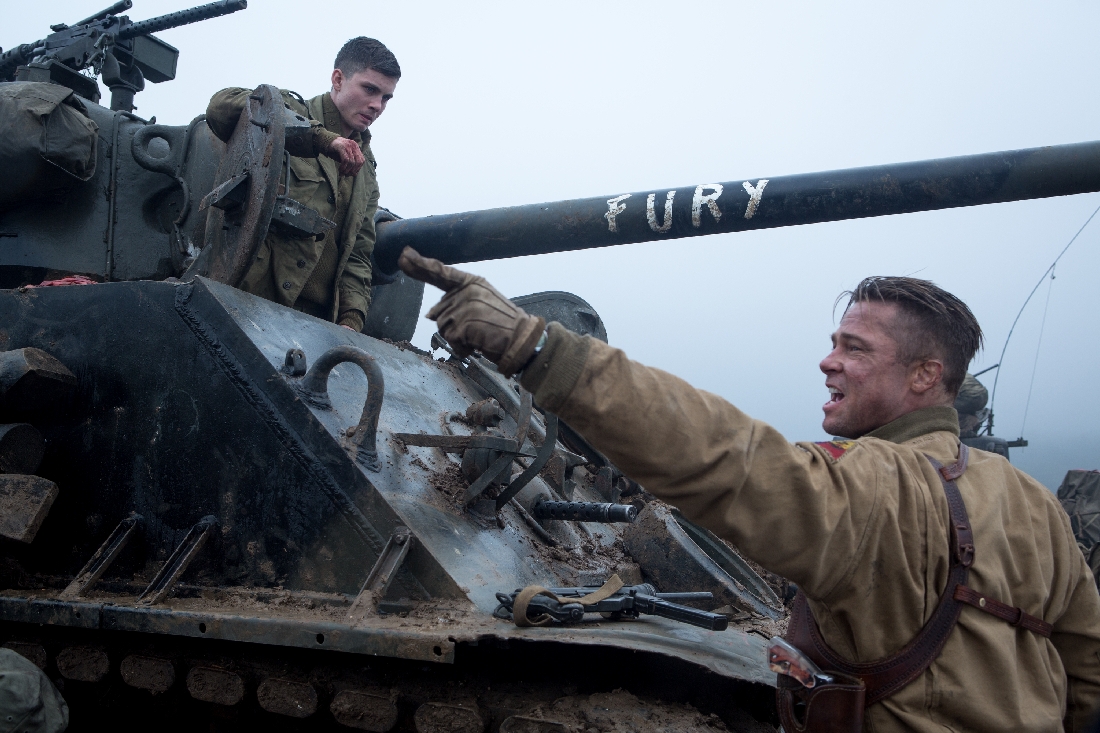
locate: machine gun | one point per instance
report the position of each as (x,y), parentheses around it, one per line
(568,605)
(124,52)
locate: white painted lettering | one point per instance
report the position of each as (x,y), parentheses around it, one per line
(755,192)
(699,199)
(614,208)
(651,214)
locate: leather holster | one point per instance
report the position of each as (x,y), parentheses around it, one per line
(836,707)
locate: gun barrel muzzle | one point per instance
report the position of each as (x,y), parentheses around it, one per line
(182,17)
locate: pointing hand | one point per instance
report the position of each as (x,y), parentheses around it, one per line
(474,316)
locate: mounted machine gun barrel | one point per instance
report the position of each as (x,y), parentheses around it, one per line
(182,17)
(124,52)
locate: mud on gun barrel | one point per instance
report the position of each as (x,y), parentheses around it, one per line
(568,605)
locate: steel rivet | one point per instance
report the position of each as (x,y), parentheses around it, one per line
(981,602)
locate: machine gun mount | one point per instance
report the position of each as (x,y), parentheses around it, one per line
(125,53)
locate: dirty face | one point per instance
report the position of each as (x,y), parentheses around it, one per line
(868,386)
(361,98)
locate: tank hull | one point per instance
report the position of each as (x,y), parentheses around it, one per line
(185,423)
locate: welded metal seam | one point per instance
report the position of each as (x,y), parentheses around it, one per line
(288,437)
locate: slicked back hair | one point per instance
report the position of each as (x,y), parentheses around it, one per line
(363,53)
(931,323)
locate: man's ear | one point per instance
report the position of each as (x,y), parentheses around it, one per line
(337,80)
(925,375)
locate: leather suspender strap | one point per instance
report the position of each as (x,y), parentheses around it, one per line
(1012,614)
(886,676)
(962,536)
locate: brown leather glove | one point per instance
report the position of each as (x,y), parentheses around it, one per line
(473,315)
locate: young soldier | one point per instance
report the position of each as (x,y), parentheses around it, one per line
(330,278)
(864,525)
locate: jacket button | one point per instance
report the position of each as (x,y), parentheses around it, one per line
(286,285)
(331,199)
(301,263)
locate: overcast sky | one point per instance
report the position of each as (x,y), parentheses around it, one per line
(514,103)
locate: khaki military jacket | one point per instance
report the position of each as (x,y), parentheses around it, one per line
(283,263)
(862,527)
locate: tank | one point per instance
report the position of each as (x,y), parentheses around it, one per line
(217,511)
(221,512)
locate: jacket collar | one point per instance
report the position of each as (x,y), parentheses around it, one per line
(918,423)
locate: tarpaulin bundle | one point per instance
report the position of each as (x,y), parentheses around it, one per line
(49,142)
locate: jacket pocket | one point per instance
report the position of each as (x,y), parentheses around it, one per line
(306,177)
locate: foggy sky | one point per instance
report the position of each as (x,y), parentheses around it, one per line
(510,103)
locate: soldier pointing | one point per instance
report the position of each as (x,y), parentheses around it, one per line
(328,278)
(941,586)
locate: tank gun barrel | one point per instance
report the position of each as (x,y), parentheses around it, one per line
(757,203)
(120,6)
(182,17)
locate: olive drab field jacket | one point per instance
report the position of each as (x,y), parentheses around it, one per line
(862,527)
(283,264)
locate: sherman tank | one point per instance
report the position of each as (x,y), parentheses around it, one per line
(217,511)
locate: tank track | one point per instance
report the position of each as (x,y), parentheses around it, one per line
(132,681)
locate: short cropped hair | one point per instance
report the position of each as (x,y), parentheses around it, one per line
(932,323)
(362,53)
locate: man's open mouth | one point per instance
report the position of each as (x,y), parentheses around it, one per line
(835,395)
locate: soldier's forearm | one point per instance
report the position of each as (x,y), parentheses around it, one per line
(322,139)
(355,292)
(737,476)
(225,109)
(353,319)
